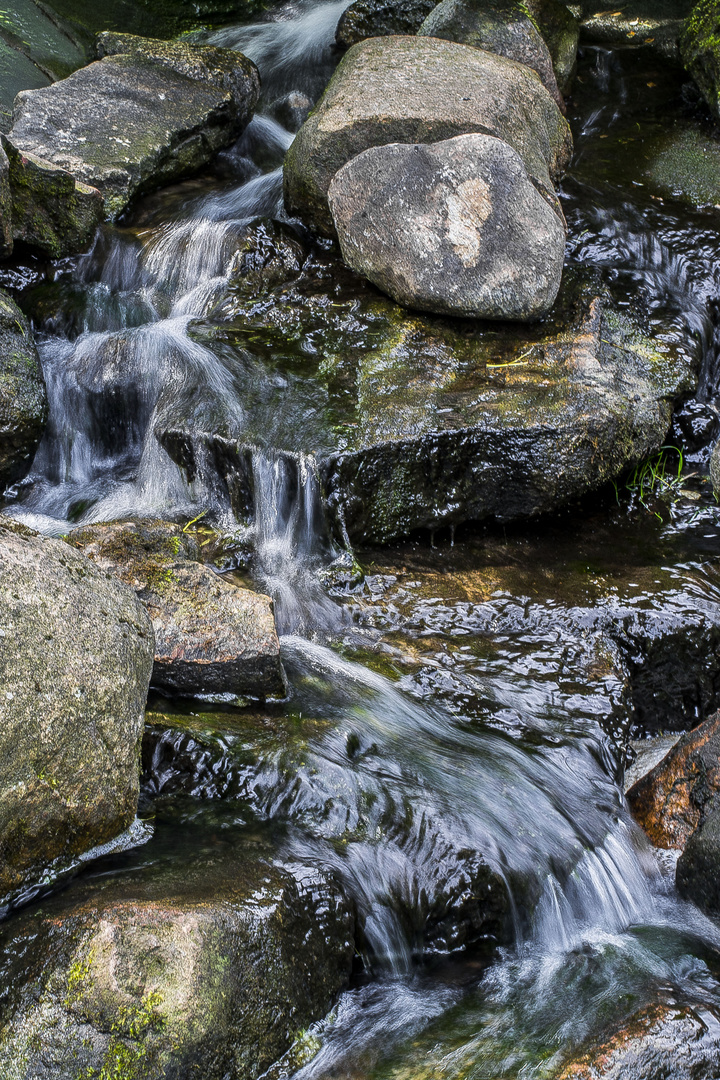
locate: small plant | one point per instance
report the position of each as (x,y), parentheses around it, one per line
(659,476)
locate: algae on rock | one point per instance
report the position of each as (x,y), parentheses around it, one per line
(23,400)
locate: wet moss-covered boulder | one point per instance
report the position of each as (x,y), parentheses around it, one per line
(210,968)
(421,89)
(651,24)
(504,27)
(151,18)
(377,18)
(211,636)
(75,659)
(23,401)
(50,209)
(561,32)
(700,50)
(148,114)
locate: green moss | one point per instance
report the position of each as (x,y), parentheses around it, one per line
(129,1055)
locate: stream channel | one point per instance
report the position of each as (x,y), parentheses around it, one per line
(461,706)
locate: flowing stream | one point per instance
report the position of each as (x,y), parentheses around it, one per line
(449,745)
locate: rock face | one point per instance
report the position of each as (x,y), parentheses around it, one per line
(672,800)
(504,27)
(23,401)
(698,869)
(212,969)
(377,18)
(210,636)
(700,50)
(412,89)
(49,209)
(661,1041)
(136,120)
(456,227)
(75,661)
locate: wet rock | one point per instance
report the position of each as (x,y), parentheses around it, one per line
(672,800)
(715,469)
(457,228)
(23,401)
(137,120)
(698,869)
(51,210)
(211,967)
(75,660)
(412,89)
(645,755)
(655,24)
(561,32)
(700,50)
(6,236)
(292,110)
(162,20)
(269,254)
(211,636)
(504,27)
(662,1040)
(378,18)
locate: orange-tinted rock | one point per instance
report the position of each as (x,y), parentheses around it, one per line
(671,801)
(662,1042)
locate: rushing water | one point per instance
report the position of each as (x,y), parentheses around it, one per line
(461,781)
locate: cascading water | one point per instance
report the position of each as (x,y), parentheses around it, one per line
(444,831)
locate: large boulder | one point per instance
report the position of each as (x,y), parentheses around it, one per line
(457,227)
(377,18)
(49,208)
(700,50)
(209,967)
(411,90)
(504,27)
(76,652)
(672,799)
(561,33)
(23,401)
(148,114)
(211,636)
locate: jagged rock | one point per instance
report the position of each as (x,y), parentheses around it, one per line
(50,209)
(210,636)
(660,1041)
(75,658)
(140,118)
(504,27)
(23,401)
(210,967)
(377,18)
(700,50)
(457,228)
(673,798)
(413,89)
(654,24)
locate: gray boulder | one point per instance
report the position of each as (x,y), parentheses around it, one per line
(504,27)
(210,636)
(421,89)
(209,967)
(457,228)
(75,659)
(23,401)
(377,18)
(148,114)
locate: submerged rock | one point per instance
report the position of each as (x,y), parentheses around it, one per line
(412,89)
(50,209)
(135,120)
(672,800)
(75,659)
(211,967)
(457,227)
(210,636)
(378,18)
(504,27)
(23,401)
(671,1040)
(700,50)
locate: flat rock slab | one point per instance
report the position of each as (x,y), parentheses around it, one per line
(23,400)
(210,636)
(457,227)
(134,121)
(421,90)
(207,966)
(655,24)
(75,659)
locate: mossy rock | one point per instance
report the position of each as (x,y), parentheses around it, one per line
(376,18)
(700,50)
(23,400)
(652,24)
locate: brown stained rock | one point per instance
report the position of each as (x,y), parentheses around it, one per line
(671,800)
(662,1042)
(210,636)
